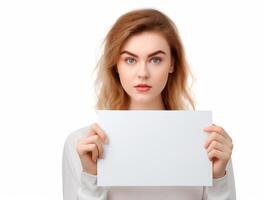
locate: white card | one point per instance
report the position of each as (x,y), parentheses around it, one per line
(154,148)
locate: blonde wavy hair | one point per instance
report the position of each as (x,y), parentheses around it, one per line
(111,96)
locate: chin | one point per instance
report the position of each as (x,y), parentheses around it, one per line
(142,99)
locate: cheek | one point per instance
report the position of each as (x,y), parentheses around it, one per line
(124,82)
(161,79)
(125,78)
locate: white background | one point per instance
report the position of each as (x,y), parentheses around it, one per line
(48,50)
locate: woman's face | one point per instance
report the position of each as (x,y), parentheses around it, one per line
(145,59)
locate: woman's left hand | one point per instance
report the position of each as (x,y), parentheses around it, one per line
(219,148)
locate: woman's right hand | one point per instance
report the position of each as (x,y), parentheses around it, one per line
(90,148)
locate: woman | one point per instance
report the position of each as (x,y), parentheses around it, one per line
(143,67)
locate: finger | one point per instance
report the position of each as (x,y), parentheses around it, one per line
(214,128)
(218,129)
(83,149)
(91,132)
(96,140)
(217,137)
(216,145)
(90,148)
(97,129)
(95,154)
(217,154)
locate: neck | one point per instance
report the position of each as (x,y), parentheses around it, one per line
(153,105)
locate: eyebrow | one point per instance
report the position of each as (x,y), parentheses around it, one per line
(152,54)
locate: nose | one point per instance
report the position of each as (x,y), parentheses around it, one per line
(143,72)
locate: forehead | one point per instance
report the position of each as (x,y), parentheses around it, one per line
(145,43)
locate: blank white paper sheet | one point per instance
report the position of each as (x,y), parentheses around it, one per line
(154,148)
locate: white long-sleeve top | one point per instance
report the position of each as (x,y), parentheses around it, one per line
(83,186)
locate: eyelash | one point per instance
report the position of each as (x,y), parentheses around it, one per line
(156,58)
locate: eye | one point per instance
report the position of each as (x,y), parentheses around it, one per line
(130,60)
(156,60)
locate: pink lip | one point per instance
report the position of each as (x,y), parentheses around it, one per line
(143,88)
(142,85)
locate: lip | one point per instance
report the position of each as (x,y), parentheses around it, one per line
(143,87)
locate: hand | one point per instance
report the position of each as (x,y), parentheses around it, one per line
(219,148)
(90,148)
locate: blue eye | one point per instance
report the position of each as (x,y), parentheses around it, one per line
(156,60)
(130,60)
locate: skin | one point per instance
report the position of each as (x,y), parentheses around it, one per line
(136,66)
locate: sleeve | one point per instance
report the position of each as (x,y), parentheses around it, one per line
(78,185)
(89,189)
(223,188)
